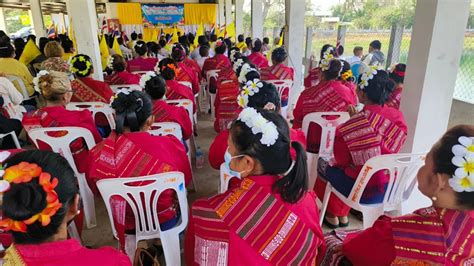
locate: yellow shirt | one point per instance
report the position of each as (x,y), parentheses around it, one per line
(11,66)
(67,56)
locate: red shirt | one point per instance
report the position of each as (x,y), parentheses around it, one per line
(142,64)
(178,91)
(70,252)
(259,60)
(185,73)
(169,113)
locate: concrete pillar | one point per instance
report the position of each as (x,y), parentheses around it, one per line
(341,34)
(257,19)
(228,12)
(84,20)
(239,16)
(309,42)
(433,63)
(221,12)
(3,24)
(396,36)
(37,18)
(294,39)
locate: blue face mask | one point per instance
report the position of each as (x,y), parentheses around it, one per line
(228,158)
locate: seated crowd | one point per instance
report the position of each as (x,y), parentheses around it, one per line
(268,213)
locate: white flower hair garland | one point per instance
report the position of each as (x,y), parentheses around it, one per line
(463,178)
(368,74)
(251,88)
(37,78)
(146,77)
(246,68)
(110,62)
(327,56)
(237,64)
(258,124)
(157,69)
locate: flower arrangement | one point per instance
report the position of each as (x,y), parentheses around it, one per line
(258,124)
(463,178)
(23,173)
(37,78)
(146,77)
(246,68)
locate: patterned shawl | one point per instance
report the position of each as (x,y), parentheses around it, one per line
(280,72)
(260,219)
(432,236)
(84,93)
(367,132)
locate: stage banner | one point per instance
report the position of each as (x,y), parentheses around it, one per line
(156,14)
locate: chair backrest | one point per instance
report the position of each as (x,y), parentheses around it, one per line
(282,85)
(94,108)
(224,179)
(165,129)
(135,87)
(187,104)
(61,144)
(20,85)
(139,72)
(214,73)
(13,111)
(402,169)
(143,200)
(328,126)
(187,84)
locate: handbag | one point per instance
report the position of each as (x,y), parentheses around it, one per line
(146,257)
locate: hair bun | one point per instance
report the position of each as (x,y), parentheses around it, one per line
(24,200)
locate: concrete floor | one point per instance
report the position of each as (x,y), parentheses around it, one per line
(207,179)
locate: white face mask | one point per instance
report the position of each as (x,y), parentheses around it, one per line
(228,158)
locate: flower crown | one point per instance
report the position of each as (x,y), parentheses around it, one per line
(124,90)
(237,64)
(367,75)
(110,62)
(258,124)
(23,173)
(327,56)
(250,88)
(463,178)
(37,78)
(146,77)
(81,59)
(232,55)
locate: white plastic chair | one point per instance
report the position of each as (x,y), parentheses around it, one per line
(187,104)
(14,111)
(187,84)
(94,108)
(14,137)
(165,129)
(328,134)
(21,85)
(135,87)
(402,169)
(61,145)
(224,179)
(281,85)
(140,72)
(211,96)
(143,200)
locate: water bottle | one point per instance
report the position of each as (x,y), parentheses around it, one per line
(199,158)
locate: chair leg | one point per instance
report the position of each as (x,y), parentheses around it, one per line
(327,194)
(312,169)
(88,201)
(171,248)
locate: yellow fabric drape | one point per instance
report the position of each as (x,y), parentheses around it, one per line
(129,13)
(196,14)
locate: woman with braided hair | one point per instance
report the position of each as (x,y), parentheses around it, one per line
(130,142)
(87,89)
